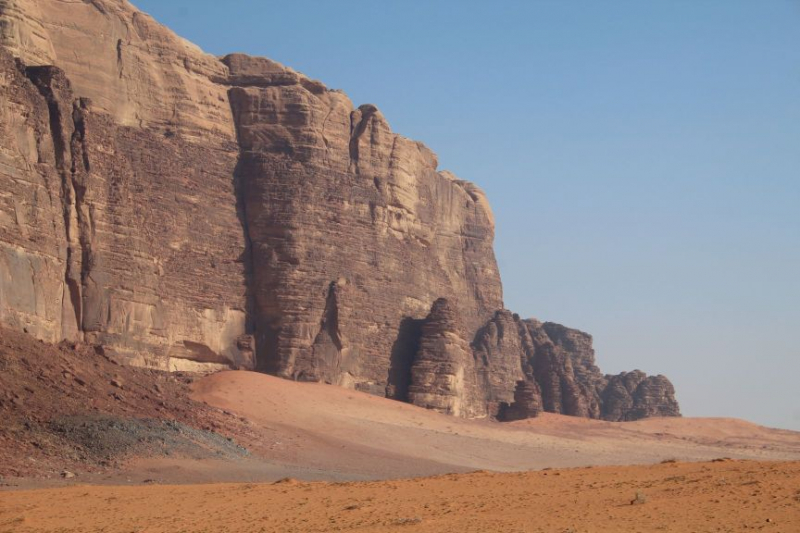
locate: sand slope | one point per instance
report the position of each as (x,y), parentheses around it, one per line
(352,435)
(679,498)
(307,431)
(313,431)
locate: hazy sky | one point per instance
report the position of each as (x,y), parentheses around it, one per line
(642,160)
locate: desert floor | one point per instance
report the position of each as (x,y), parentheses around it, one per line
(72,410)
(726,495)
(355,462)
(355,436)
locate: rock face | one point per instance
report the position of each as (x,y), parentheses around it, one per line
(194,213)
(527,402)
(499,352)
(119,214)
(443,374)
(346,217)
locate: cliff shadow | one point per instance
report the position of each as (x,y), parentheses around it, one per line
(246,258)
(404,349)
(265,333)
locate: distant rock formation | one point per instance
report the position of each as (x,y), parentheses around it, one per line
(634,395)
(194,213)
(516,369)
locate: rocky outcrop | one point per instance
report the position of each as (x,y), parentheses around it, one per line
(552,367)
(634,395)
(500,354)
(581,354)
(188,212)
(516,369)
(527,402)
(560,375)
(442,375)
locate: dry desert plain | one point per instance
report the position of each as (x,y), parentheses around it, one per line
(355,462)
(678,497)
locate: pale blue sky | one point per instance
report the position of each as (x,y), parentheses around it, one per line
(642,159)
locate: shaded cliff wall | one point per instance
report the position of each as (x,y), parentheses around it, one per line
(353,229)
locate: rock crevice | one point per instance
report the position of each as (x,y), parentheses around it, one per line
(67,132)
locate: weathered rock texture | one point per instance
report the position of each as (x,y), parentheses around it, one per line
(352,229)
(119,215)
(527,402)
(442,373)
(190,212)
(560,376)
(634,395)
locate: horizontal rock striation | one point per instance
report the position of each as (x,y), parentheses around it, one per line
(119,215)
(333,200)
(189,212)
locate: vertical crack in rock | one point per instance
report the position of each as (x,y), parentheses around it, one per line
(359,121)
(79,154)
(54,87)
(404,349)
(330,317)
(325,362)
(79,136)
(120,67)
(240,190)
(258,254)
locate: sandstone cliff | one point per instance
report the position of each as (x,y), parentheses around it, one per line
(191,212)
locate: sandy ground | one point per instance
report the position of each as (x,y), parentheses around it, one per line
(349,457)
(722,496)
(67,408)
(355,436)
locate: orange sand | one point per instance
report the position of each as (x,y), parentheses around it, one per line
(680,497)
